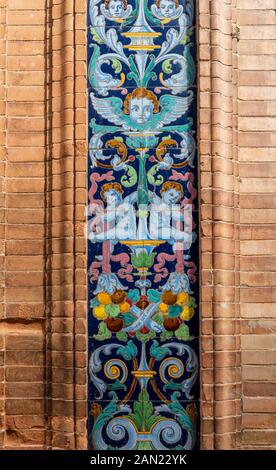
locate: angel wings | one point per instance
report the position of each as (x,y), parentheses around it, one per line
(143,112)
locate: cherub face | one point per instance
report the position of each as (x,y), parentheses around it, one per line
(141,110)
(112,197)
(167,8)
(116,8)
(171,196)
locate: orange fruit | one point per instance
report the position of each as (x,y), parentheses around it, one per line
(125,307)
(104,298)
(163,308)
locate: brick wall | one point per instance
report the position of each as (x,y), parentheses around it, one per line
(22,216)
(220,325)
(43,261)
(43,251)
(257,170)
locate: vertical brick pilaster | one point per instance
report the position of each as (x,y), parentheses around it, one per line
(257,156)
(204,147)
(220,344)
(3,153)
(22,324)
(66,245)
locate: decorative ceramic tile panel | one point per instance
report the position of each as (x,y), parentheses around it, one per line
(142,225)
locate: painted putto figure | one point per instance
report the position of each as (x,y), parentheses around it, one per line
(166,215)
(118,221)
(140,105)
(116,9)
(142,110)
(167,8)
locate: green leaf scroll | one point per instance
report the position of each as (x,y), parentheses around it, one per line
(103,332)
(143,413)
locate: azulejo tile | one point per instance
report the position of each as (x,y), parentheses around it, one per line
(129,13)
(141,108)
(136,50)
(110,69)
(142,259)
(169,306)
(163,365)
(143,425)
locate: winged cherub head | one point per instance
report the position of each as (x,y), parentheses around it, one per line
(115,8)
(171,192)
(111,193)
(140,105)
(167,7)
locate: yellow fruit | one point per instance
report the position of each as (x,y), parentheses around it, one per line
(192,312)
(187,313)
(182,298)
(125,307)
(164,308)
(100,313)
(104,298)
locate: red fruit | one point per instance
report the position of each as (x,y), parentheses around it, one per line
(142,303)
(114,324)
(145,330)
(169,298)
(131,333)
(129,301)
(171,324)
(118,297)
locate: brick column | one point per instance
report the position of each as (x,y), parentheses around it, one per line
(65,216)
(3,155)
(220,341)
(257,157)
(43,192)
(22,322)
